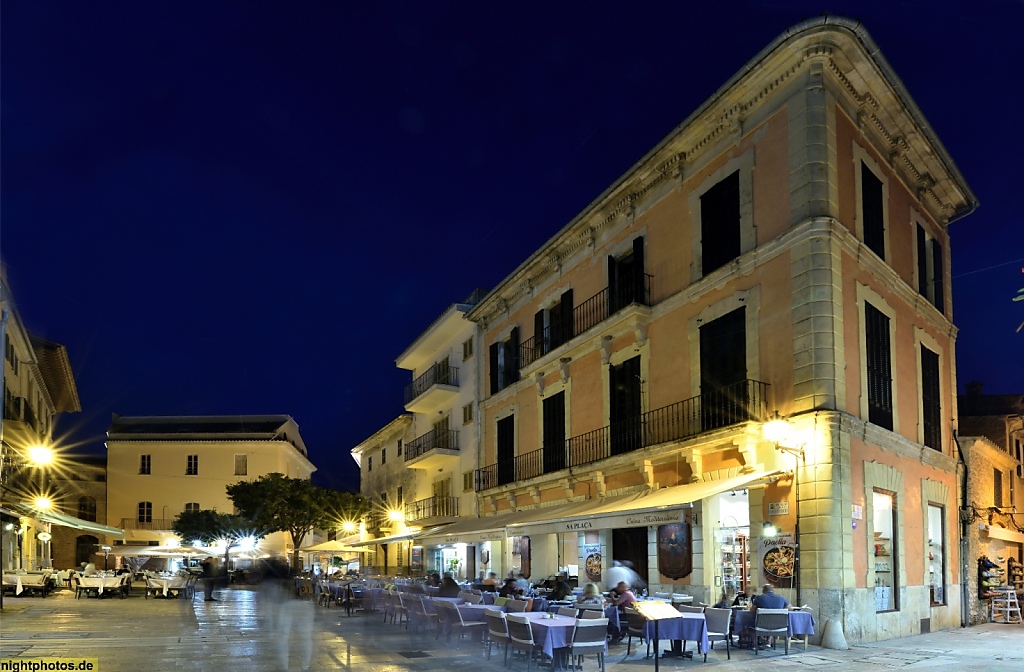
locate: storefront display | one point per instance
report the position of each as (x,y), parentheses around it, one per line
(885,559)
(936,555)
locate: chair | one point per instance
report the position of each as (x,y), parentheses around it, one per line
(401,610)
(501,601)
(636,626)
(516,606)
(389,606)
(588,637)
(442,618)
(772,623)
(474,598)
(686,609)
(417,611)
(718,628)
(350,600)
(591,613)
(125,586)
(664,596)
(520,636)
(567,611)
(77,586)
(497,629)
(190,586)
(456,622)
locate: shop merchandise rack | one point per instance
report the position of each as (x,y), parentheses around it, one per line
(1015,574)
(991,575)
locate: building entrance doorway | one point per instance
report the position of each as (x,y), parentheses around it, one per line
(629,545)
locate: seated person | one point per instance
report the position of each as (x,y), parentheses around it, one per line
(591,595)
(490,582)
(743,599)
(510,589)
(768,599)
(434,580)
(723,602)
(523,584)
(562,589)
(622,597)
(448,587)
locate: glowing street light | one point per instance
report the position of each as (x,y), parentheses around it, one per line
(348,526)
(39,455)
(43,503)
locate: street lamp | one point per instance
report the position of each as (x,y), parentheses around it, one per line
(780,431)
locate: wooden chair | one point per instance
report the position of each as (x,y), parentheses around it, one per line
(497,630)
(520,637)
(588,637)
(771,623)
(636,626)
(718,628)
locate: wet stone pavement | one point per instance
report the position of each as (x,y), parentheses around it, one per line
(250,628)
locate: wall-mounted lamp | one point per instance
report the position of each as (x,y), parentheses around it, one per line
(769,529)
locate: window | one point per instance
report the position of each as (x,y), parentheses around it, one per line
(192,466)
(145,512)
(878,360)
(467,414)
(936,554)
(997,488)
(723,370)
(467,481)
(504,360)
(885,545)
(1019,443)
(87,508)
(369,463)
(627,279)
(506,439)
(241,465)
(192,507)
(443,437)
(383,456)
(400,499)
(145,464)
(399,447)
(553,326)
(930,400)
(554,446)
(467,349)
(930,269)
(720,223)
(624,405)
(872,203)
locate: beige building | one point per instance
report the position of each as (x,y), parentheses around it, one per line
(783,253)
(160,466)
(417,470)
(992,443)
(38,384)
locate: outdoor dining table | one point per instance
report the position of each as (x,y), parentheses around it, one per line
(23,582)
(687,628)
(801,623)
(100,583)
(552,632)
(174,583)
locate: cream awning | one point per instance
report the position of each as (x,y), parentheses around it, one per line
(1005,534)
(406,536)
(70,521)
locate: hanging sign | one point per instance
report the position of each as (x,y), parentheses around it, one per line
(778,508)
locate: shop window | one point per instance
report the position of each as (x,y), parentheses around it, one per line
(885,551)
(878,359)
(936,555)
(931,409)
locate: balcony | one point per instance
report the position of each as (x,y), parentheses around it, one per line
(432,510)
(432,450)
(154,524)
(746,401)
(432,390)
(585,316)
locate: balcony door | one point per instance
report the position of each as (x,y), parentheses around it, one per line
(554,433)
(442,437)
(626,279)
(625,406)
(506,450)
(723,370)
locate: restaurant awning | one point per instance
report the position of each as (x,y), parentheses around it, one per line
(995,532)
(70,521)
(473,530)
(656,507)
(406,536)
(332,546)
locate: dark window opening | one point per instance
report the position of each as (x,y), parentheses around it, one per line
(554,433)
(87,508)
(878,359)
(720,224)
(872,210)
(723,371)
(504,360)
(930,400)
(625,406)
(506,450)
(627,279)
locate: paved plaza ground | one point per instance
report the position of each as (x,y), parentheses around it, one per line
(244,630)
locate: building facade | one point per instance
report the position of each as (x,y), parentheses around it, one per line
(418,470)
(161,466)
(992,444)
(38,384)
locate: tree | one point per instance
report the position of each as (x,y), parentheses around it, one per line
(209,526)
(278,503)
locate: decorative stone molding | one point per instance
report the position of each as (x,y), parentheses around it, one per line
(695,458)
(538,380)
(605,344)
(567,488)
(640,332)
(601,487)
(563,368)
(647,467)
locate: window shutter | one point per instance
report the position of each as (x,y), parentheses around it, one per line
(566,307)
(512,361)
(872,210)
(613,286)
(878,360)
(938,297)
(494,367)
(930,399)
(922,261)
(640,280)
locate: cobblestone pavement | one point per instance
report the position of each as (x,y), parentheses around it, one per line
(245,630)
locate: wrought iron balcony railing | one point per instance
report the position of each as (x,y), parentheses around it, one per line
(432,507)
(741,402)
(593,311)
(434,439)
(439,374)
(153,524)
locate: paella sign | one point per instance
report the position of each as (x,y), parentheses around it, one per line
(776,557)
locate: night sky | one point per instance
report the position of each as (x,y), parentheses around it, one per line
(254,207)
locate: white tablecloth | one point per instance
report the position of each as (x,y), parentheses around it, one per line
(101,583)
(23,581)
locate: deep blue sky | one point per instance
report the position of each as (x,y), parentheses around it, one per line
(254,207)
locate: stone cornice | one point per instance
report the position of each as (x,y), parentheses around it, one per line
(861,74)
(895,443)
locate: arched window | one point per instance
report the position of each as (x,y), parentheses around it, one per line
(145,512)
(87,508)
(191,507)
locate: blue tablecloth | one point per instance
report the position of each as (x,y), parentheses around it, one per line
(689,627)
(800,622)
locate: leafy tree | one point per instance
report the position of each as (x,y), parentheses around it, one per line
(210,526)
(278,503)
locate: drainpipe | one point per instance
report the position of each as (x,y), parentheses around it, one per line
(965,615)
